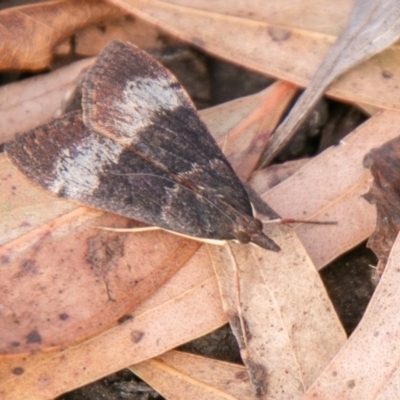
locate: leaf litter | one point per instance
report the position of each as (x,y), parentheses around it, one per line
(388,120)
(385,194)
(179,317)
(196,376)
(367,367)
(373,26)
(285,48)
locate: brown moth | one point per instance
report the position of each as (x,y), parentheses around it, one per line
(139,149)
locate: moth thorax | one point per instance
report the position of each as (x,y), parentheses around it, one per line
(246,227)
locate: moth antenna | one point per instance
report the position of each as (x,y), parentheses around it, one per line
(289,221)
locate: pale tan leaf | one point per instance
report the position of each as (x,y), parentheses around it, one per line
(188,306)
(330,188)
(374,25)
(264,179)
(368,109)
(278,308)
(37,100)
(243,126)
(367,367)
(178,375)
(23,206)
(91,40)
(316,15)
(68,283)
(277,49)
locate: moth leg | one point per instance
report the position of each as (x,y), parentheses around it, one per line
(217,242)
(129,230)
(288,221)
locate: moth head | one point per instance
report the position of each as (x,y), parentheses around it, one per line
(249,229)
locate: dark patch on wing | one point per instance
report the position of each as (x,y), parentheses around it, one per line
(175,139)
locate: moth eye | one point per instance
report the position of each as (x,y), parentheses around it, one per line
(243,237)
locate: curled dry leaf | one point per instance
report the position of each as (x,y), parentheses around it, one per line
(176,374)
(64,279)
(374,25)
(42,26)
(385,193)
(275,303)
(290,48)
(367,367)
(31,102)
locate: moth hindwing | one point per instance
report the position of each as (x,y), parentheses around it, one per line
(139,149)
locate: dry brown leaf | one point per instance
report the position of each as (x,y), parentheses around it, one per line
(35,101)
(24,206)
(91,40)
(243,127)
(367,367)
(182,375)
(385,193)
(65,280)
(373,26)
(275,47)
(188,306)
(264,179)
(34,30)
(330,188)
(316,15)
(278,308)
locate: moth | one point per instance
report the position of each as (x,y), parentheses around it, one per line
(139,149)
